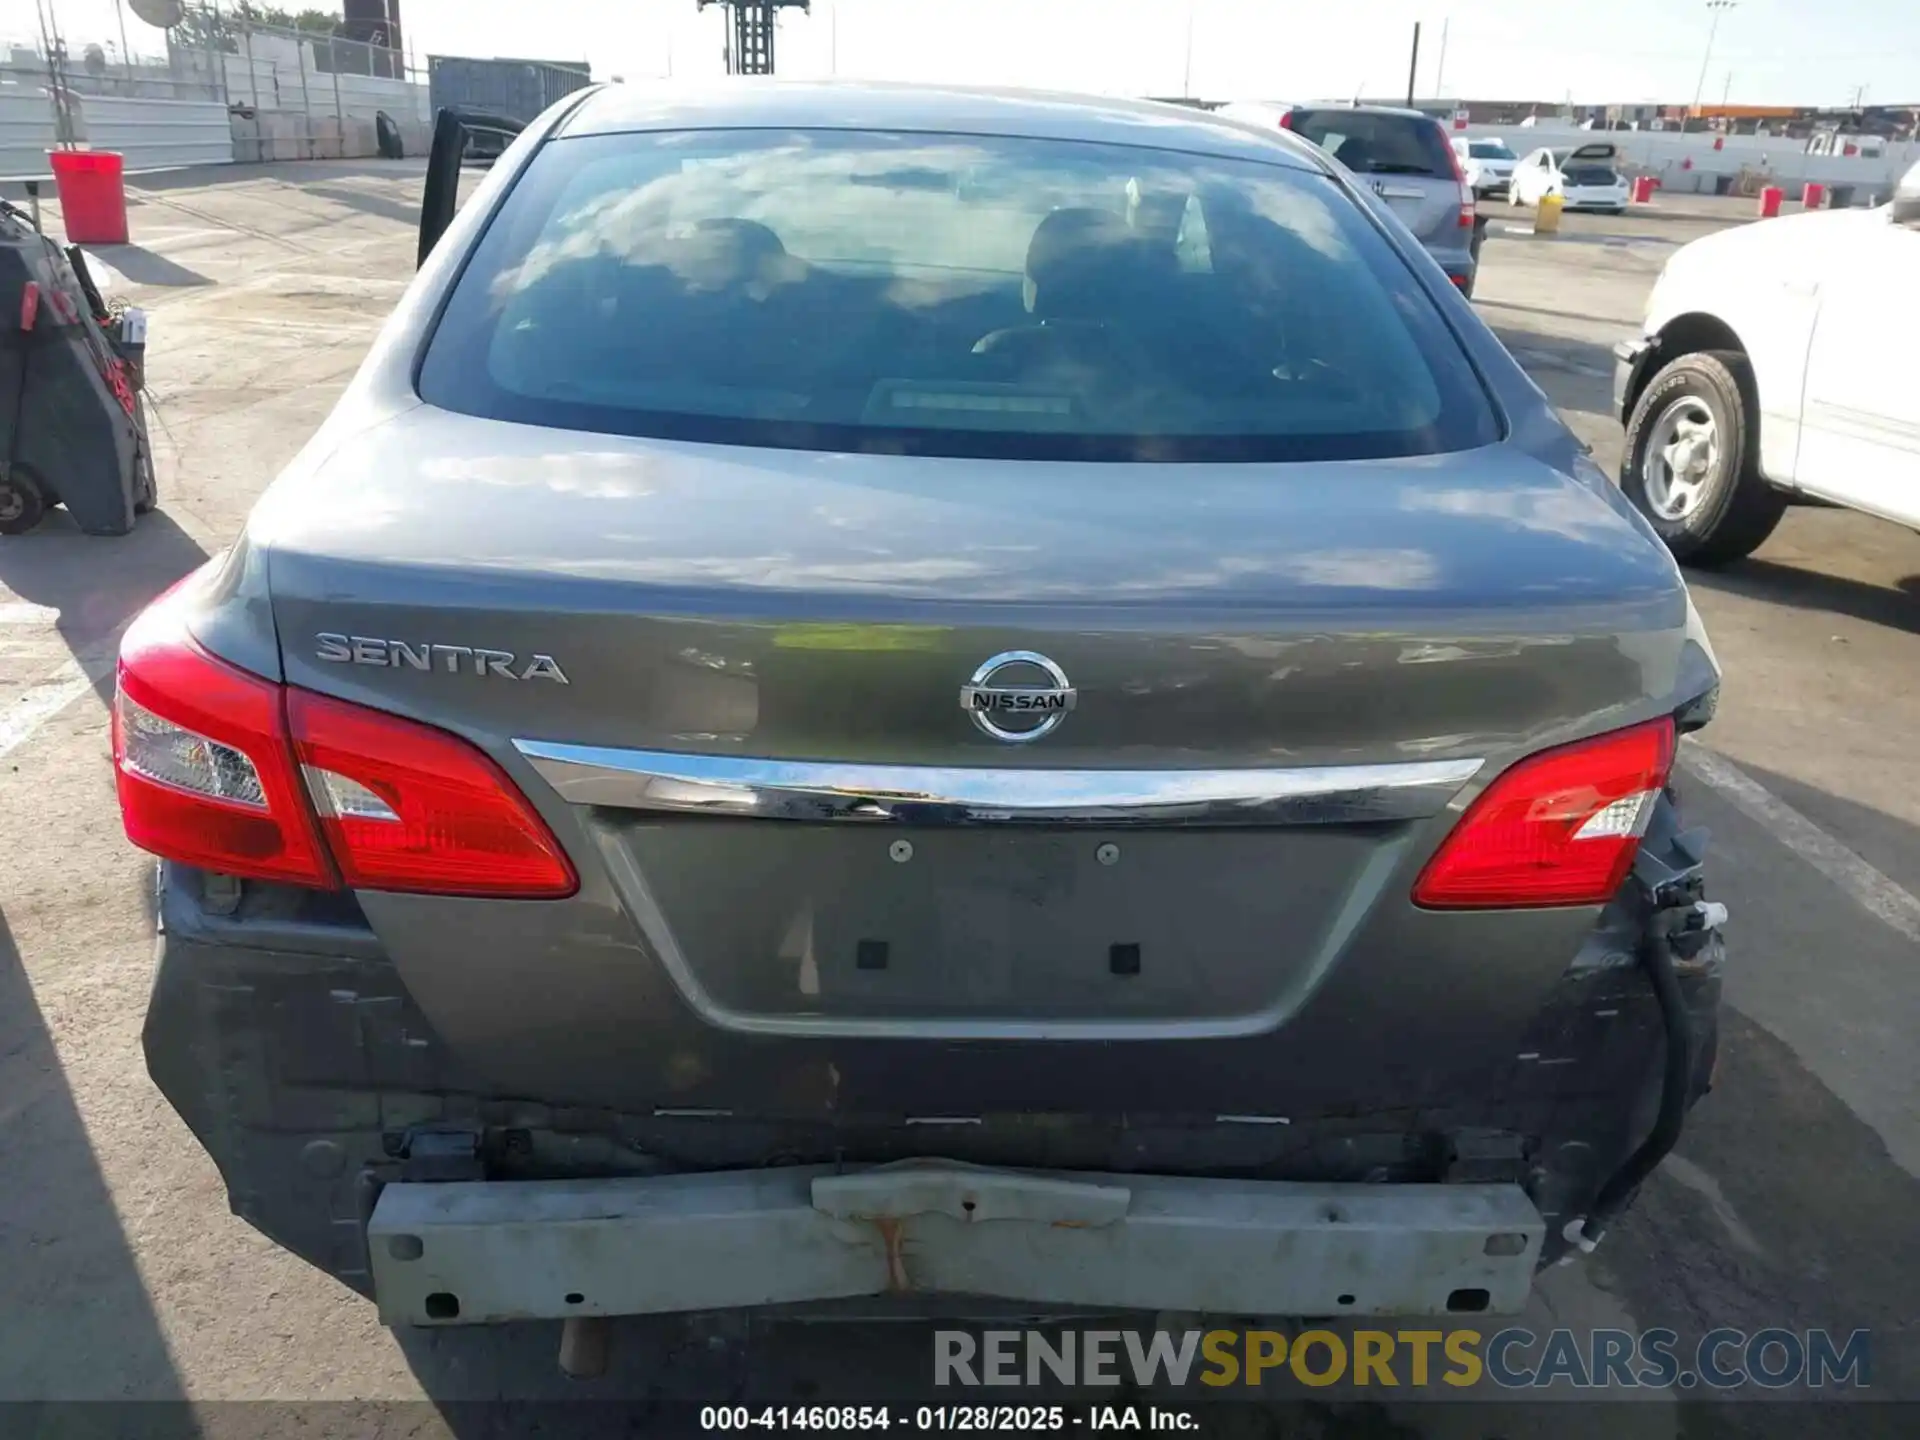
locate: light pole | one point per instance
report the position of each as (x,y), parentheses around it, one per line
(1715,8)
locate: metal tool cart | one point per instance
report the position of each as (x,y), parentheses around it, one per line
(72,421)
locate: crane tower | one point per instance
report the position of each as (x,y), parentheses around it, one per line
(750,46)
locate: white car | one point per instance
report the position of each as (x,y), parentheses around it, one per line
(1486,162)
(1775,363)
(1581,175)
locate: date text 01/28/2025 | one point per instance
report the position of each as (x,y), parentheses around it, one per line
(997,1418)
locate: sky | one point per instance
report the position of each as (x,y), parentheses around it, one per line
(1593,51)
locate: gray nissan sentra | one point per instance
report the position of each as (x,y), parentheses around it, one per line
(882,690)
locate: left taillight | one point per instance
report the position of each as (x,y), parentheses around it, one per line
(408,807)
(203,765)
(223,770)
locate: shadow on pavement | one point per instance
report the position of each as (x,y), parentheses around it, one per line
(76,1322)
(1788,1203)
(212,177)
(141,266)
(1628,324)
(1781,1209)
(1589,359)
(1887,842)
(1897,608)
(366,202)
(207,177)
(97,583)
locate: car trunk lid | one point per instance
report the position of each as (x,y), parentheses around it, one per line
(522,583)
(536,591)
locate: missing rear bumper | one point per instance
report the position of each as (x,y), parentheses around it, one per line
(482,1252)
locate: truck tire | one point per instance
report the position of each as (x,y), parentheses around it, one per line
(23,504)
(146,490)
(1692,463)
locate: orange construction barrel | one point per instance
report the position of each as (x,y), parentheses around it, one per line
(93,195)
(1770,201)
(1814,196)
(1642,189)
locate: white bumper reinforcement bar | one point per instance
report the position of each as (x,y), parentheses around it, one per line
(477,1252)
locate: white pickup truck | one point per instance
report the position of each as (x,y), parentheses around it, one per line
(1777,363)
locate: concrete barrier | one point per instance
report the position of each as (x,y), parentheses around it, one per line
(294,135)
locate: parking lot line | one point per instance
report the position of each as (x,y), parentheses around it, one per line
(1866,885)
(38,704)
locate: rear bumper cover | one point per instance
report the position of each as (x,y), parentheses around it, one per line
(479,1253)
(290,1045)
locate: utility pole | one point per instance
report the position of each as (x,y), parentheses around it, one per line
(1186,76)
(1440,70)
(1413,65)
(1715,8)
(120,14)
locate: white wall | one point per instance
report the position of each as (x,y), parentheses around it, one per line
(150,134)
(1663,153)
(157,134)
(26,131)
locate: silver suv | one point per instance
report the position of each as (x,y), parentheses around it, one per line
(1403,156)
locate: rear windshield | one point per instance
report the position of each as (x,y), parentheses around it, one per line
(1588,172)
(1370,144)
(948,295)
(1488,150)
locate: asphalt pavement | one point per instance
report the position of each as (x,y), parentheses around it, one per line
(1791,1202)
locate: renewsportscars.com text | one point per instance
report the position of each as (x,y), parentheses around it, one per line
(1511,1359)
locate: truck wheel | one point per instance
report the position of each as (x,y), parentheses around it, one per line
(146,494)
(1693,460)
(22,502)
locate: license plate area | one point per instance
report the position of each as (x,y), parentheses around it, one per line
(778,919)
(1405,201)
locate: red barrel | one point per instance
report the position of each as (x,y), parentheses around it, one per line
(93,195)
(1814,196)
(1770,201)
(1642,189)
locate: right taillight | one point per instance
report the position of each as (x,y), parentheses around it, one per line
(226,771)
(1560,828)
(1468,211)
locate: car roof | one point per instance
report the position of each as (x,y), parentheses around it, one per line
(755,103)
(1363,108)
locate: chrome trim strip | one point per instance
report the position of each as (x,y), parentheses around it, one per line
(746,787)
